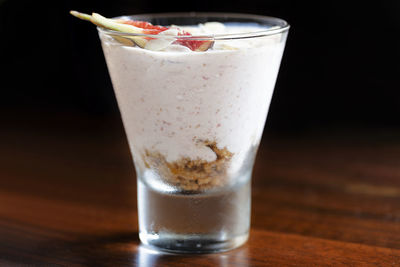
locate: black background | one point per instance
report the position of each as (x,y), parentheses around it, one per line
(340,68)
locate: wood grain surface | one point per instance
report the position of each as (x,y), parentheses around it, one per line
(68,198)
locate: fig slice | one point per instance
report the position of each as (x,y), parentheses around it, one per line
(196,45)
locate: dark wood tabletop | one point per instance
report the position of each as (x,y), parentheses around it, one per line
(68,198)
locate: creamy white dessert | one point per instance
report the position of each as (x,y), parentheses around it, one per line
(176,102)
(194,110)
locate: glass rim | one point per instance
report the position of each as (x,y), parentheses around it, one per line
(280,27)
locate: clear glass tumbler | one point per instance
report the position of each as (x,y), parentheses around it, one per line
(194,120)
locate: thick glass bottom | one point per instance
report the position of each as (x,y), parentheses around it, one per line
(202,222)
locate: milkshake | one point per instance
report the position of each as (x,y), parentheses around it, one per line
(194,99)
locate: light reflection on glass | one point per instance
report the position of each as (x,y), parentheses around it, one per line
(147,257)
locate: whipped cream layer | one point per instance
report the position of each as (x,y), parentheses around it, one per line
(173,100)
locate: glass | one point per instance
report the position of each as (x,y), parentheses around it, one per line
(194,121)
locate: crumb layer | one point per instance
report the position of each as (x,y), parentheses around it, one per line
(190,174)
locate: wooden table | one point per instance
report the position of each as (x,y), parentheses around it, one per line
(68,198)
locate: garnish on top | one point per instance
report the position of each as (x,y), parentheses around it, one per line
(143,27)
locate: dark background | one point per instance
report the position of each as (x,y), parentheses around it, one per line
(340,68)
(326,187)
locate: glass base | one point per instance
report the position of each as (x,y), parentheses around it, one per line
(191,244)
(205,222)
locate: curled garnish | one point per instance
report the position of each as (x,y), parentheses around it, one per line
(141,27)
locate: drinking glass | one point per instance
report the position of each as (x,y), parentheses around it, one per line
(194,121)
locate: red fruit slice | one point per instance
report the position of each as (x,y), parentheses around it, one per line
(194,45)
(148,28)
